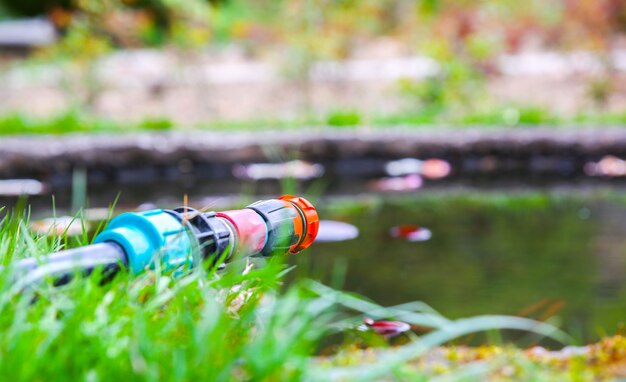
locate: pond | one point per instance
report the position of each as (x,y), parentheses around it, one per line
(546,256)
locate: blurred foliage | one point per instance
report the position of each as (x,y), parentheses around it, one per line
(335,28)
(512,116)
(68,122)
(599,90)
(80,122)
(73,122)
(457,88)
(126,23)
(156,124)
(343,118)
(504,116)
(463,36)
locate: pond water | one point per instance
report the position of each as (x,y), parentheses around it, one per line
(532,254)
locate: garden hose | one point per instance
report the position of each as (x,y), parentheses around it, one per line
(183,238)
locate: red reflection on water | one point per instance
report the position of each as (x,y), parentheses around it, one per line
(400,183)
(429,168)
(296,169)
(607,166)
(410,232)
(436,168)
(387,328)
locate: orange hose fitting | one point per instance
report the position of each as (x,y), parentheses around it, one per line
(306,223)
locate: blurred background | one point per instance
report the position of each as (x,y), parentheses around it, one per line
(467,154)
(201,62)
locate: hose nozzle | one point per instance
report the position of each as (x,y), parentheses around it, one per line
(184,236)
(288,224)
(306,225)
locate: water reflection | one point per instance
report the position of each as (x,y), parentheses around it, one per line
(331,231)
(609,166)
(429,168)
(491,255)
(295,169)
(410,232)
(397,184)
(18,187)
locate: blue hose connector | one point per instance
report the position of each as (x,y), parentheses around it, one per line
(150,238)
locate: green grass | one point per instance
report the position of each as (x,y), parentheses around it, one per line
(76,122)
(344,118)
(204,325)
